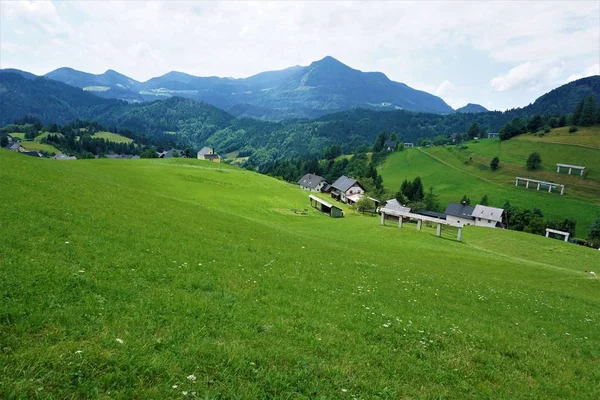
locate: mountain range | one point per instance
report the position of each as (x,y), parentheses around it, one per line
(323,87)
(188,122)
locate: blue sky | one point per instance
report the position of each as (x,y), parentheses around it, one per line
(498,54)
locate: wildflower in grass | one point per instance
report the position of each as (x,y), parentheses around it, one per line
(81,271)
(344,390)
(120,341)
(184,393)
(78,352)
(191,378)
(66,242)
(175,386)
(387,325)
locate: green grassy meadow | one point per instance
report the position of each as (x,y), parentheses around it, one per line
(112,137)
(177,278)
(37,146)
(454,172)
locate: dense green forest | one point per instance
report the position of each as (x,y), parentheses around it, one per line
(190,123)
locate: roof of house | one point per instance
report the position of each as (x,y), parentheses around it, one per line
(31,153)
(460,210)
(391,143)
(14,146)
(395,205)
(310,180)
(491,213)
(344,183)
(326,188)
(169,153)
(433,214)
(206,150)
(62,156)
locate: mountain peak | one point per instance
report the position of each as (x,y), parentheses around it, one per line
(329,61)
(471,108)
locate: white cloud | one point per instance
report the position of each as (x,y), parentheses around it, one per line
(531,74)
(589,71)
(411,42)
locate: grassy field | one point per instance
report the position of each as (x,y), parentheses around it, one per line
(584,137)
(454,172)
(36,146)
(112,137)
(176,278)
(18,135)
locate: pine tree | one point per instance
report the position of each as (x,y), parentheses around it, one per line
(484,200)
(465,200)
(578,111)
(588,114)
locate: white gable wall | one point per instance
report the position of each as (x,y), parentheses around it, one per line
(458,220)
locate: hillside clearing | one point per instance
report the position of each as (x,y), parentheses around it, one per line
(165,276)
(36,146)
(112,137)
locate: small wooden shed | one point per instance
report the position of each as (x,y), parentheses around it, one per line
(325,207)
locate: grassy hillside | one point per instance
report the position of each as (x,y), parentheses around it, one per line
(37,146)
(151,278)
(584,137)
(454,172)
(112,137)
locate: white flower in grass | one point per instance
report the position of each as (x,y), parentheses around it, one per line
(175,386)
(67,242)
(387,325)
(119,341)
(184,393)
(344,390)
(78,352)
(191,377)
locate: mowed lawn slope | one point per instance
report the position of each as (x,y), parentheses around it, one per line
(217,289)
(454,172)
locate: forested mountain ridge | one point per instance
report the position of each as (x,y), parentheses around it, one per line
(471,108)
(322,87)
(195,124)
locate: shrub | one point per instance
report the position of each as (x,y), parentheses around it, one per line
(495,163)
(573,129)
(534,161)
(546,129)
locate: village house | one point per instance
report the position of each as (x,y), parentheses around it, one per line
(170,153)
(391,145)
(62,156)
(208,154)
(477,215)
(347,190)
(461,214)
(312,183)
(490,217)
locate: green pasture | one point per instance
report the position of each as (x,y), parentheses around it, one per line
(37,146)
(112,137)
(176,278)
(454,172)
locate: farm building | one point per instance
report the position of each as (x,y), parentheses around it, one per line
(457,213)
(208,154)
(325,207)
(493,135)
(345,189)
(312,183)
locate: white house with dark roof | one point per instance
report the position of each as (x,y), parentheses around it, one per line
(477,215)
(460,214)
(312,183)
(346,189)
(208,153)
